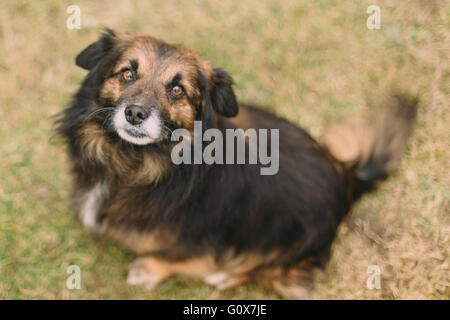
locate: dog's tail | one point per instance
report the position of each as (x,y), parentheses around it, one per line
(371,151)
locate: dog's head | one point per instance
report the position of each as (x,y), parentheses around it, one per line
(145,88)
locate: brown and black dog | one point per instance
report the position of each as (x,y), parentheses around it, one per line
(224,223)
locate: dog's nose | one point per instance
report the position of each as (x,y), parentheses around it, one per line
(135,114)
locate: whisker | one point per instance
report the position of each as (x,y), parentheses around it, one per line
(106,121)
(171,131)
(95,112)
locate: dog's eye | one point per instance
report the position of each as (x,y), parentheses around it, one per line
(127,75)
(177,91)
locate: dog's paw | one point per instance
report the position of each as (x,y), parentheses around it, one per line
(141,274)
(223,281)
(216,279)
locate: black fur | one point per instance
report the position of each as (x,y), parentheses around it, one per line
(212,209)
(223,98)
(93,54)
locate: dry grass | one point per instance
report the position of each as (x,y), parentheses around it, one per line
(310,61)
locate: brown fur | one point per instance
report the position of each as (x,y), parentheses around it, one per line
(385,134)
(226,224)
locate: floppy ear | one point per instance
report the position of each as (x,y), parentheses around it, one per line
(223,99)
(89,57)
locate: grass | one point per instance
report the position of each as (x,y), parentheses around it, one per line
(310,61)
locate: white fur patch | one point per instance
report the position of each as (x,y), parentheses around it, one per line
(216,278)
(149,131)
(90,205)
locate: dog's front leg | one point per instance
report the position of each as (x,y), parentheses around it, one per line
(147,272)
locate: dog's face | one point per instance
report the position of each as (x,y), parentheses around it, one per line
(146,88)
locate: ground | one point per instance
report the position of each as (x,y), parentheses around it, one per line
(312,62)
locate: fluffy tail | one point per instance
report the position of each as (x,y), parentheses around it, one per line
(371,151)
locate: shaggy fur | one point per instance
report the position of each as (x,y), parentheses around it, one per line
(226,224)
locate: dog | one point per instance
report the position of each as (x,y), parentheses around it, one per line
(223,223)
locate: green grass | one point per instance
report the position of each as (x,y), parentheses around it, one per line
(311,62)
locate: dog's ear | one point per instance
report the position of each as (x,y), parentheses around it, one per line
(89,57)
(223,99)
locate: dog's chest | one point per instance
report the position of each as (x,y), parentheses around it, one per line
(90,204)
